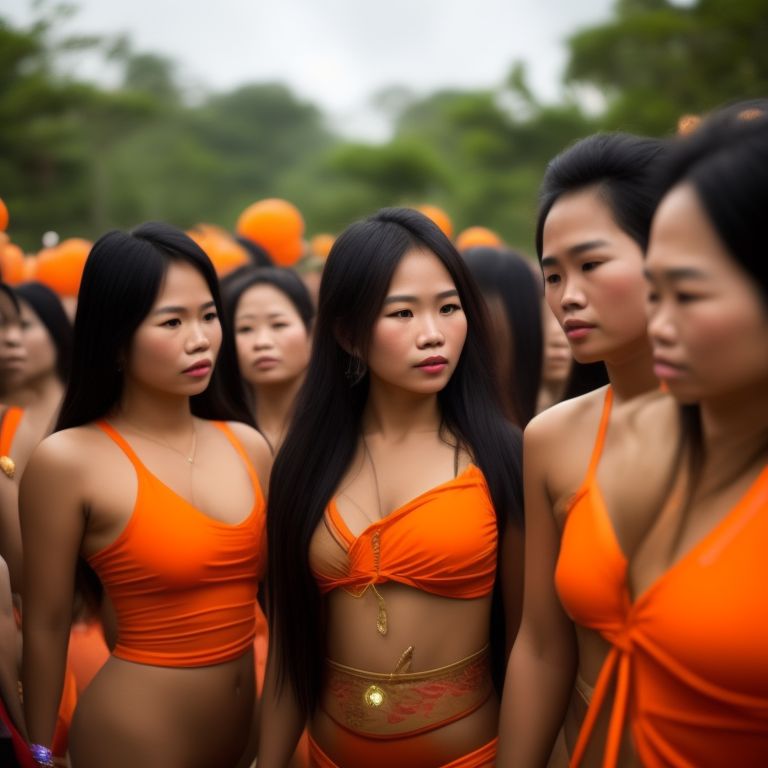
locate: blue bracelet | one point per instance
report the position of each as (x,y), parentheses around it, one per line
(42,755)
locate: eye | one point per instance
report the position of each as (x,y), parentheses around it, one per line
(174,322)
(588,266)
(278,326)
(652,297)
(244,329)
(209,317)
(401,313)
(449,309)
(685,298)
(552,279)
(25,324)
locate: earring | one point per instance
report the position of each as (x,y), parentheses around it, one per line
(356,369)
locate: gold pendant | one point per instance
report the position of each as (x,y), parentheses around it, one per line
(373,696)
(381,619)
(8,466)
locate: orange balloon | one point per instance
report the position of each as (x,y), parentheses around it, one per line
(277,226)
(30,268)
(474,237)
(320,245)
(12,267)
(224,252)
(439,216)
(61,267)
(3,215)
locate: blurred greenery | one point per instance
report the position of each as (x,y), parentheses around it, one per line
(80,158)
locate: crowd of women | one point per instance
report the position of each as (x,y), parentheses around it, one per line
(198,450)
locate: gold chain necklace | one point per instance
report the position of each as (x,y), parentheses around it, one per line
(190,456)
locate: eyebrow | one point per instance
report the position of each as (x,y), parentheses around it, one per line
(414,299)
(270,316)
(678,273)
(181,310)
(575,250)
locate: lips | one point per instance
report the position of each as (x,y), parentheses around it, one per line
(430,361)
(666,369)
(265,362)
(577,329)
(199,368)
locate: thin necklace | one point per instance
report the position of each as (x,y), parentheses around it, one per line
(190,457)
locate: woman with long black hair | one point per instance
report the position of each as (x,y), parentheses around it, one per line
(394,526)
(174,534)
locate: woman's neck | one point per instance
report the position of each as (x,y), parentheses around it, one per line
(631,374)
(394,413)
(153,412)
(46,391)
(274,408)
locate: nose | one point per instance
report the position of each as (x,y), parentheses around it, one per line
(11,335)
(430,334)
(198,339)
(661,329)
(572,296)
(262,339)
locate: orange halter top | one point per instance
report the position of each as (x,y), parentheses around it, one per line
(442,542)
(8,426)
(689,656)
(183,584)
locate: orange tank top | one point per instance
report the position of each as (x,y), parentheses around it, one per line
(183,585)
(442,542)
(10,423)
(689,656)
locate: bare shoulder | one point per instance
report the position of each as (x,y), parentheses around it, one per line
(255,446)
(68,452)
(567,417)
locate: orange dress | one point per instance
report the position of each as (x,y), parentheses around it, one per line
(443,542)
(183,585)
(689,656)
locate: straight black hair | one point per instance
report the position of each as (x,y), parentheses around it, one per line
(11,294)
(48,307)
(507,276)
(121,280)
(326,428)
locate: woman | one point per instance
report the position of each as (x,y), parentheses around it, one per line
(271,313)
(558,362)
(676,591)
(396,494)
(175,536)
(514,304)
(597,203)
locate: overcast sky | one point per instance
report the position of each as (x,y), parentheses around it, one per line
(338,53)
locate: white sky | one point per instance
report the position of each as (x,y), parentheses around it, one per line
(338,53)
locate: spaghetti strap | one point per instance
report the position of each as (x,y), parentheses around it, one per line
(238,446)
(602,429)
(122,443)
(10,423)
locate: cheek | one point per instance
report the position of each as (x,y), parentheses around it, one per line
(295,344)
(386,343)
(621,295)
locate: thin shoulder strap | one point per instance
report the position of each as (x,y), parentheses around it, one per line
(602,429)
(11,421)
(238,446)
(122,443)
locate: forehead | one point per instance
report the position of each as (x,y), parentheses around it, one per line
(579,216)
(264,298)
(181,279)
(420,269)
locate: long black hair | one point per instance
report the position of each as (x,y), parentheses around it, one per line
(507,276)
(121,280)
(48,307)
(327,423)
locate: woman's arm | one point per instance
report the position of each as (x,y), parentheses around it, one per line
(52,527)
(9,673)
(542,664)
(281,720)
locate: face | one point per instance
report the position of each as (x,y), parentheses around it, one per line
(708,323)
(39,346)
(593,275)
(13,356)
(557,352)
(175,347)
(416,341)
(273,345)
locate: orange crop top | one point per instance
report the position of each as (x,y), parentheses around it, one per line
(442,542)
(689,656)
(183,584)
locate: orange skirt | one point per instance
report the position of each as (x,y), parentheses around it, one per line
(389,753)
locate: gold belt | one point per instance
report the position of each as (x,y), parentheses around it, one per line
(381,705)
